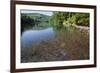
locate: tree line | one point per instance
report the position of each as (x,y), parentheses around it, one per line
(28,22)
(65,19)
(58,20)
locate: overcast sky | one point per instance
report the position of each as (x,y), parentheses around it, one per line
(49,13)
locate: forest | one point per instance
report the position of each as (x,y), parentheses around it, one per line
(64,19)
(59,20)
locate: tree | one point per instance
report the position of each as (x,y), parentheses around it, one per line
(26,22)
(64,19)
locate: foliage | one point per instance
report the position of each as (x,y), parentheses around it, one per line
(82,19)
(66,19)
(58,18)
(26,22)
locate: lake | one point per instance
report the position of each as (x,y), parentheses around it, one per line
(54,45)
(32,36)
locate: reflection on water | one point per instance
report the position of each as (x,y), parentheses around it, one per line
(33,36)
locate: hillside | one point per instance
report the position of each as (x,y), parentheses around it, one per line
(37,16)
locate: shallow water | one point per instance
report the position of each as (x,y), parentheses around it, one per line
(54,45)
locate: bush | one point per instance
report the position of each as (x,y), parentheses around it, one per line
(82,19)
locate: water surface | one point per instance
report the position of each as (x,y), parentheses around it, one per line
(32,36)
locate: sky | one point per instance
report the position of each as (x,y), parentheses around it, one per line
(49,13)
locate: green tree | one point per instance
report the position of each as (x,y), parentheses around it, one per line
(65,19)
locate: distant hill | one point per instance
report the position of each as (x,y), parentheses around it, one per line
(37,16)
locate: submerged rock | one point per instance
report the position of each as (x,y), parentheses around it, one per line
(46,54)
